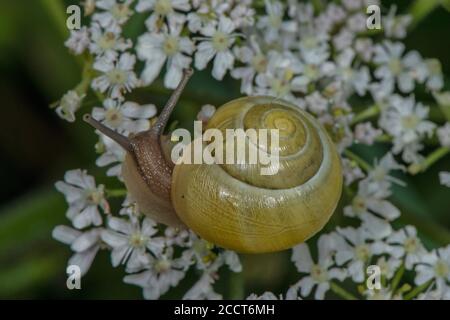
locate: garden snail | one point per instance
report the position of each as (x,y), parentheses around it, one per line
(225,204)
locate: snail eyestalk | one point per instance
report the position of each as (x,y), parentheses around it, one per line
(117,137)
(163,118)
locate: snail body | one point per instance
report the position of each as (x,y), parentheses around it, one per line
(233,205)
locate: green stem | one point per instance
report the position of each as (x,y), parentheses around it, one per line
(116,193)
(341,292)
(434,157)
(362,163)
(420,9)
(236,286)
(417,290)
(366,114)
(398,276)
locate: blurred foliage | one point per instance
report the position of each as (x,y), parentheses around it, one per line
(37,148)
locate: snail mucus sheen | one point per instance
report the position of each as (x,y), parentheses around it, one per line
(233,205)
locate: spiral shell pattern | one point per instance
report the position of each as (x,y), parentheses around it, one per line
(234,206)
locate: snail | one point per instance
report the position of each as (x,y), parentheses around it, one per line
(230,205)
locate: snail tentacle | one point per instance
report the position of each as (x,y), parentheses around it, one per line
(123,141)
(163,118)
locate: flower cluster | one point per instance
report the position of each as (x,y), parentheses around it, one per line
(359,84)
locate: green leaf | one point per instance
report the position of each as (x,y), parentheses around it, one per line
(29,219)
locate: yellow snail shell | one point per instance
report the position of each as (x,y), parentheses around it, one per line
(236,207)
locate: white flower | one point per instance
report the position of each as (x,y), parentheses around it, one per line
(157,48)
(343,39)
(273,23)
(405,70)
(379,175)
(124,117)
(354,79)
(370,206)
(314,46)
(366,133)
(317,104)
(434,266)
(130,241)
(405,243)
(231,259)
(388,267)
(395,26)
(129,208)
(206,112)
(84,244)
(351,170)
(243,14)
(203,289)
(406,122)
(78,40)
(355,249)
(111,153)
(84,198)
(117,74)
(255,63)
(205,14)
(216,44)
(162,11)
(177,237)
(265,296)
(115,13)
(444,177)
(443,134)
(103,41)
(364,48)
(435,80)
(320,273)
(281,77)
(69,104)
(162,272)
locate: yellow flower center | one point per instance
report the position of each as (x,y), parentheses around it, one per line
(441,268)
(107,41)
(259,63)
(395,65)
(220,41)
(163,7)
(121,11)
(162,265)
(362,252)
(319,274)
(138,240)
(117,76)
(410,121)
(113,117)
(411,245)
(171,45)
